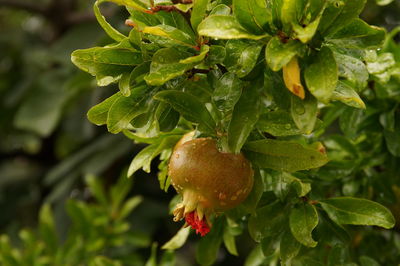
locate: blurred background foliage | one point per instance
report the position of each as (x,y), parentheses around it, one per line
(63,177)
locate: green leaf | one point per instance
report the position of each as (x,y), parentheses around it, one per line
(144,157)
(208,246)
(97,189)
(152,261)
(124,109)
(225,27)
(353,69)
(338,14)
(188,106)
(172,33)
(253,15)
(221,9)
(338,255)
(113,33)
(289,248)
(304,113)
(392,139)
(383,3)
(290,13)
(277,123)
(251,202)
(278,54)
(306,32)
(124,84)
(216,55)
(227,92)
(106,63)
(196,58)
(367,261)
(267,221)
(244,117)
(303,219)
(347,95)
(47,228)
(347,210)
(165,66)
(322,75)
(98,113)
(41,109)
(198,12)
(229,242)
(241,56)
(281,183)
(129,205)
(177,240)
(168,259)
(359,35)
(135,4)
(167,117)
(284,155)
(256,257)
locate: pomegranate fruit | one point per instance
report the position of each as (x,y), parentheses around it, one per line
(210,181)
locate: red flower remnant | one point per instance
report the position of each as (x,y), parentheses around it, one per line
(200,226)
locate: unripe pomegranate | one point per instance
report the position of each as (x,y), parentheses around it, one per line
(210,181)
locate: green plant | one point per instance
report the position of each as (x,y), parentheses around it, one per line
(271,79)
(99,235)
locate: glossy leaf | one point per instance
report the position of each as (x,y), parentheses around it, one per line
(339,14)
(124,84)
(198,12)
(347,210)
(278,54)
(165,66)
(303,219)
(225,27)
(112,32)
(322,75)
(253,15)
(177,240)
(144,157)
(124,109)
(197,58)
(358,35)
(106,63)
(289,248)
(229,241)
(347,95)
(227,92)
(244,117)
(304,113)
(284,155)
(353,69)
(241,56)
(167,117)
(278,123)
(135,4)
(172,33)
(188,106)
(267,221)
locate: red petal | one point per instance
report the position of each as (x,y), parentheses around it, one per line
(200,226)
